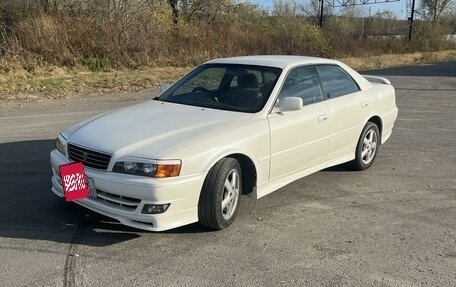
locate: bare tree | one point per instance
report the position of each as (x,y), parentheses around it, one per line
(433,9)
(312,8)
(189,10)
(175,10)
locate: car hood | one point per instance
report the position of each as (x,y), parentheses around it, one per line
(149,129)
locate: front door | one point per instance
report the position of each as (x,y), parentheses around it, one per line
(299,139)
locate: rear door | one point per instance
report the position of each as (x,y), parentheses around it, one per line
(348,108)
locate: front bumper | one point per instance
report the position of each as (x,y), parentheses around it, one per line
(123,196)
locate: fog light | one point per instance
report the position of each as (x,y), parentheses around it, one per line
(154,208)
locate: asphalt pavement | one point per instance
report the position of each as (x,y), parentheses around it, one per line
(392,225)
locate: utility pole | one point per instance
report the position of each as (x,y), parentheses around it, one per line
(411,21)
(321,13)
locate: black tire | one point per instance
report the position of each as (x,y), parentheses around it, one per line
(363,162)
(210,211)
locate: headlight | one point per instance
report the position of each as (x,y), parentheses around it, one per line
(60,145)
(149,168)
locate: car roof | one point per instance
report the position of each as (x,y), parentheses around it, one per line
(278,61)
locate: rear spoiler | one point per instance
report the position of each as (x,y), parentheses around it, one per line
(377,79)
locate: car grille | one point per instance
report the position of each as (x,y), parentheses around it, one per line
(123,202)
(89,157)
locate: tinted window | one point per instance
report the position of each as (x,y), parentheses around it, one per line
(302,82)
(208,79)
(232,87)
(263,78)
(335,81)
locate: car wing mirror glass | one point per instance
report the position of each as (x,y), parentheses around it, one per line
(290,104)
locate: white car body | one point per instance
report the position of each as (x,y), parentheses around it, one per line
(269,141)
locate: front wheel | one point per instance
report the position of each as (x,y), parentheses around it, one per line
(367,148)
(219,199)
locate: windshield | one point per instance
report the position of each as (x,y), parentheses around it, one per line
(241,88)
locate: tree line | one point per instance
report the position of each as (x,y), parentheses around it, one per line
(104,34)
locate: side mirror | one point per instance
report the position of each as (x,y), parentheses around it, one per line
(290,104)
(165,87)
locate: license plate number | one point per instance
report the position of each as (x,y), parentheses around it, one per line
(92,190)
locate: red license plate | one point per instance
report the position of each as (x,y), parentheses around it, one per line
(74,181)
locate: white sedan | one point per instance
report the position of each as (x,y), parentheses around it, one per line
(243,125)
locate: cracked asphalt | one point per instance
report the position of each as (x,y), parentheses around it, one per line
(392,225)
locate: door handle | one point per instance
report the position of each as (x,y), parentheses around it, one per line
(322,118)
(364,105)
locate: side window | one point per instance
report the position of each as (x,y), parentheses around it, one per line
(302,82)
(336,82)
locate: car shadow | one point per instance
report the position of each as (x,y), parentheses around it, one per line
(344,167)
(29,209)
(190,229)
(445,69)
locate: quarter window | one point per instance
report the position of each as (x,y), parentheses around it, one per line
(336,82)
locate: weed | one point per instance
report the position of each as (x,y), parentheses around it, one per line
(96,64)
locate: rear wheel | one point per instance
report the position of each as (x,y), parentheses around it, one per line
(220,195)
(367,148)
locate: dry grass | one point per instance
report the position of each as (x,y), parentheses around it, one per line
(61,82)
(397,60)
(82,81)
(19,83)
